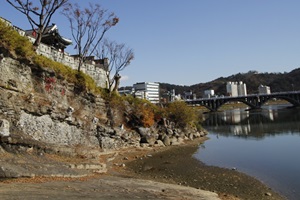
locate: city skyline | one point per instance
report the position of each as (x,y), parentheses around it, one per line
(189,42)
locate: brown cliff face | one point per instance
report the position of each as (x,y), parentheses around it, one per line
(45,107)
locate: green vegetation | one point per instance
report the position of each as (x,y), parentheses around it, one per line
(14,43)
(139,111)
(143,109)
(182,114)
(21,48)
(82,81)
(147,114)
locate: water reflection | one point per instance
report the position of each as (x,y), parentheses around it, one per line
(263,144)
(255,124)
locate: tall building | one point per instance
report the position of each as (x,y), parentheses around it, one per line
(263,89)
(189,95)
(231,89)
(147,90)
(235,89)
(209,93)
(242,89)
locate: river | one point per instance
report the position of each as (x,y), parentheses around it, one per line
(264,144)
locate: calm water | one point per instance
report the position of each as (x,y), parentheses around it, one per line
(264,144)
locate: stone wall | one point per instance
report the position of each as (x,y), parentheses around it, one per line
(94,70)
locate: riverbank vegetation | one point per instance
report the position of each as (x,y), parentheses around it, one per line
(140,112)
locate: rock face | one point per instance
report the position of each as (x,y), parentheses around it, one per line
(34,103)
(44,128)
(41,114)
(4,127)
(15,75)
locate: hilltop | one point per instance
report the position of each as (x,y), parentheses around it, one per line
(278,82)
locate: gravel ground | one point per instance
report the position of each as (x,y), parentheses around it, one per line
(134,173)
(176,165)
(104,187)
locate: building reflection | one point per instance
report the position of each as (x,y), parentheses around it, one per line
(239,122)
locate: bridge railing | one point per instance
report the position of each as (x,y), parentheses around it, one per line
(245,96)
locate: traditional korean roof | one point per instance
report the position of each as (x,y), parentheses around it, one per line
(51,37)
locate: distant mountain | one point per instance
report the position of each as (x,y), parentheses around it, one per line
(278,82)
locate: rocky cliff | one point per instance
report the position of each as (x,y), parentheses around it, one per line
(41,112)
(44,108)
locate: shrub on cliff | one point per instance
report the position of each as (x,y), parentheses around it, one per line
(15,44)
(81,80)
(143,110)
(135,111)
(142,113)
(181,114)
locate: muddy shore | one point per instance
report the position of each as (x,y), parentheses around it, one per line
(141,173)
(176,165)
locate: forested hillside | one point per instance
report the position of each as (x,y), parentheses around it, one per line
(278,82)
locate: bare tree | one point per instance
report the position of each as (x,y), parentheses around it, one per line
(88,27)
(119,57)
(39,15)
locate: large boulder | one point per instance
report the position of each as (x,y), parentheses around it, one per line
(167,141)
(150,139)
(4,127)
(144,131)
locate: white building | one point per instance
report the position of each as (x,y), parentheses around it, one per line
(263,89)
(147,90)
(209,93)
(231,89)
(235,89)
(242,89)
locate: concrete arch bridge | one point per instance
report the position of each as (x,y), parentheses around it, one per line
(254,101)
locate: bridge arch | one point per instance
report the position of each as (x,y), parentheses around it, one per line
(293,101)
(251,105)
(254,101)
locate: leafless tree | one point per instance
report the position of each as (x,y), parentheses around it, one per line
(88,27)
(119,57)
(39,14)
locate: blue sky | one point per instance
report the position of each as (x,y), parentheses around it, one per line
(186,42)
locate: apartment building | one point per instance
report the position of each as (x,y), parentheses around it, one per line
(147,90)
(209,93)
(235,89)
(263,89)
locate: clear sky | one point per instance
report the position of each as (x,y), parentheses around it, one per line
(186,42)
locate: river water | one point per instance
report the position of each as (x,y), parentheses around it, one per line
(264,144)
